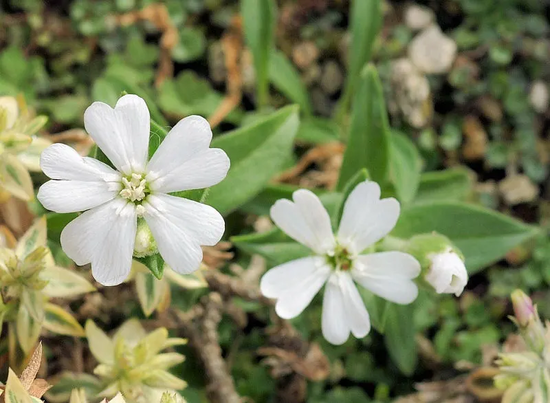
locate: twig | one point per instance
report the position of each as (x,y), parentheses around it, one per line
(231,286)
(201,329)
(232,44)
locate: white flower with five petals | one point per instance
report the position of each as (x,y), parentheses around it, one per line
(339,260)
(113,200)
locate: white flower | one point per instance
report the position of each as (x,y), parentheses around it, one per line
(105,234)
(447,273)
(338,260)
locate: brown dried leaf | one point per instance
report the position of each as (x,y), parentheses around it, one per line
(475,137)
(29,373)
(39,387)
(480,384)
(314,366)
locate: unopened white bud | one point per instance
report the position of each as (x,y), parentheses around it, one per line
(447,273)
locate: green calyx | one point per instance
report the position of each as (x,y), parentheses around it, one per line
(145,244)
(341,260)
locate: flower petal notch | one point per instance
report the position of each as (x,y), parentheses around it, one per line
(114,201)
(340,261)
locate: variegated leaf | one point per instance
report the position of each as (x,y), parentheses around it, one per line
(35,236)
(36,124)
(27,328)
(59,321)
(63,283)
(150,291)
(15,391)
(30,157)
(10,110)
(68,381)
(101,345)
(14,178)
(189,281)
(34,302)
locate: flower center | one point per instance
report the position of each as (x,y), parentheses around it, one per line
(341,260)
(134,188)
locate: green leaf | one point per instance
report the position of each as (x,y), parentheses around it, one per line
(361,176)
(484,236)
(366,20)
(259,33)
(317,130)
(287,80)
(377,308)
(450,184)
(157,135)
(155,264)
(68,381)
(369,136)
(190,46)
(400,337)
(56,223)
(257,152)
(275,246)
(190,94)
(405,167)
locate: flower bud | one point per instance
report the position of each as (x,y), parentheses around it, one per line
(442,263)
(145,244)
(524,310)
(528,321)
(447,273)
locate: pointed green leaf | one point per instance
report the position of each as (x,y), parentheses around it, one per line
(259,33)
(366,20)
(453,184)
(286,79)
(257,153)
(405,168)
(400,337)
(369,136)
(484,236)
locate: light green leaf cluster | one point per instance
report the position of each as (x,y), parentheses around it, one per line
(29,277)
(19,148)
(131,362)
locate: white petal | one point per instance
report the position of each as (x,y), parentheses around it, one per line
(366,218)
(183,160)
(356,312)
(180,227)
(305,220)
(59,161)
(334,325)
(343,310)
(103,236)
(388,274)
(294,284)
(121,133)
(74,196)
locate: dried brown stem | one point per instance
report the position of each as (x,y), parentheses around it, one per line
(200,326)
